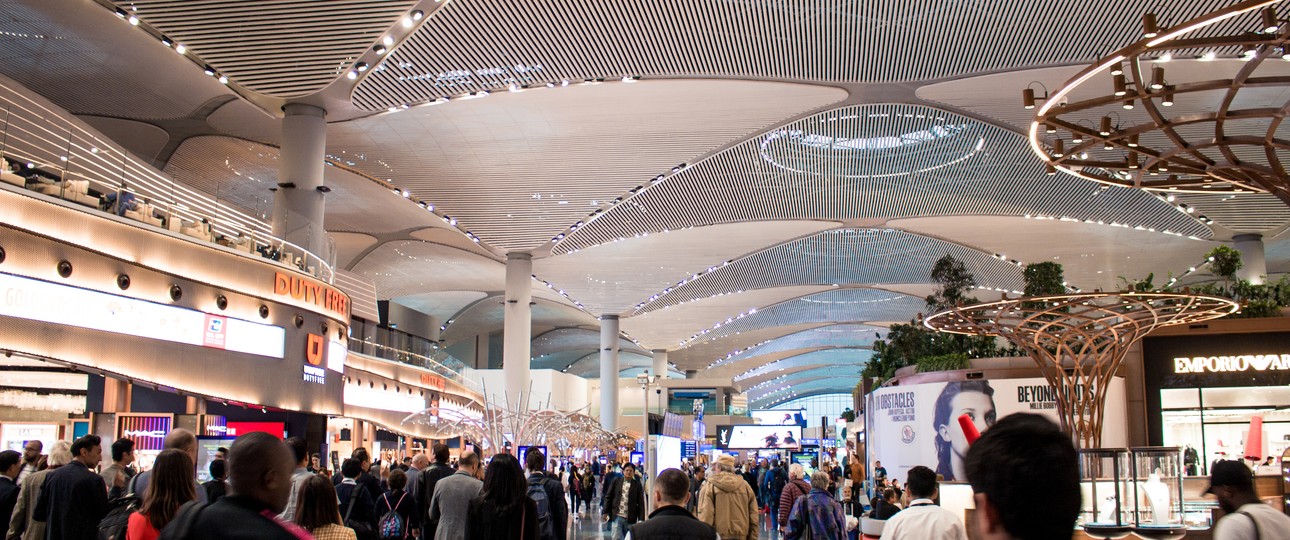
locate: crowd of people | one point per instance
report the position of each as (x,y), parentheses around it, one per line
(1023,472)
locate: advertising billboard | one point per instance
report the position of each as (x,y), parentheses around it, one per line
(778,417)
(757,437)
(918,424)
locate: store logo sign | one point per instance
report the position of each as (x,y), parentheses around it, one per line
(1233,364)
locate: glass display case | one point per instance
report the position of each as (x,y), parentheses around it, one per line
(1157,478)
(1104,490)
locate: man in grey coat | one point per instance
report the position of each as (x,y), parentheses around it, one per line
(451,500)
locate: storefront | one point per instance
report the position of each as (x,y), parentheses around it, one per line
(1203,390)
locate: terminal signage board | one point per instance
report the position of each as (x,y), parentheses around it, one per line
(689,449)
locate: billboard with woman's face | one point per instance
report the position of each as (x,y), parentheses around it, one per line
(918,424)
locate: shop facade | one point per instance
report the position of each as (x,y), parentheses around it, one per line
(1205,385)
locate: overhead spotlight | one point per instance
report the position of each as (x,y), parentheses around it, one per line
(1249,51)
(1209,56)
(223,79)
(1157,78)
(1165,57)
(1120,85)
(1049,169)
(1168,99)
(379,49)
(1132,160)
(1270,22)
(1049,128)
(165,41)
(1128,104)
(181,49)
(1149,27)
(1133,140)
(407,22)
(1117,68)
(120,13)
(134,21)
(1028,98)
(1059,148)
(418,15)
(209,71)
(361,66)
(1077,138)
(351,75)
(1105,129)
(387,40)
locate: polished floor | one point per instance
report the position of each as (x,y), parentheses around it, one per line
(589,526)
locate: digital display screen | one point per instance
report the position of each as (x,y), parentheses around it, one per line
(757,437)
(778,417)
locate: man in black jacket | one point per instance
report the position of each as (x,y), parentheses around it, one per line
(74,497)
(670,520)
(425,486)
(259,483)
(10,466)
(554,490)
(624,501)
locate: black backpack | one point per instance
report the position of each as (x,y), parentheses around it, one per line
(777,482)
(114,524)
(181,528)
(537,492)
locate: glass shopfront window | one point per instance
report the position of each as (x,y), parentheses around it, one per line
(1216,421)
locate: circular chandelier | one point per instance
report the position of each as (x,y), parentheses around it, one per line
(1178,112)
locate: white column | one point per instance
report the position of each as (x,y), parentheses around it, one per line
(609,372)
(1254,264)
(298,207)
(660,363)
(518,331)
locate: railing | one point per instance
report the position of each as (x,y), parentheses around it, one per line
(46,150)
(442,363)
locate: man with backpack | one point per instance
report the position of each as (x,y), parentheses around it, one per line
(548,496)
(624,502)
(776,479)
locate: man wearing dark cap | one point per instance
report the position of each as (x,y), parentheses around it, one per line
(259,471)
(1247,517)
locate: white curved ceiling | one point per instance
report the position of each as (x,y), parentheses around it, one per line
(516,169)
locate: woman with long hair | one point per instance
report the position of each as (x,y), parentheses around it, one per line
(318,511)
(503,510)
(170,485)
(973,398)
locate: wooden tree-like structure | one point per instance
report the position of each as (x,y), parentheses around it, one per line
(1079,340)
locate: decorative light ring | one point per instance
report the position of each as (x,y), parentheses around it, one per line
(1081,139)
(874,145)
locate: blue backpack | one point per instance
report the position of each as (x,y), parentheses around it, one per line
(537,492)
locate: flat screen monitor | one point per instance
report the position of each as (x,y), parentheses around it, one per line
(206,447)
(757,437)
(638,459)
(523,454)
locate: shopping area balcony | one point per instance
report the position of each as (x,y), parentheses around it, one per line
(439,362)
(45,150)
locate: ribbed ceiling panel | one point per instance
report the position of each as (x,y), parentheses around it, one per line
(841,305)
(1241,212)
(518,169)
(799,392)
(237,172)
(1003,177)
(844,257)
(472,45)
(855,358)
(841,335)
(282,48)
(564,339)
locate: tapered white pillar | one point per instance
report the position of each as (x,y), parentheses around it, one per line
(609,372)
(1254,263)
(660,363)
(298,204)
(518,332)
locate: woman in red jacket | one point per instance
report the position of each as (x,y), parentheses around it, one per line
(170,486)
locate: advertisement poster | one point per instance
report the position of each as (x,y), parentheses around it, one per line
(913,425)
(750,437)
(778,417)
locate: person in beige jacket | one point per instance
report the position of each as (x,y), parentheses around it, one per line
(727,502)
